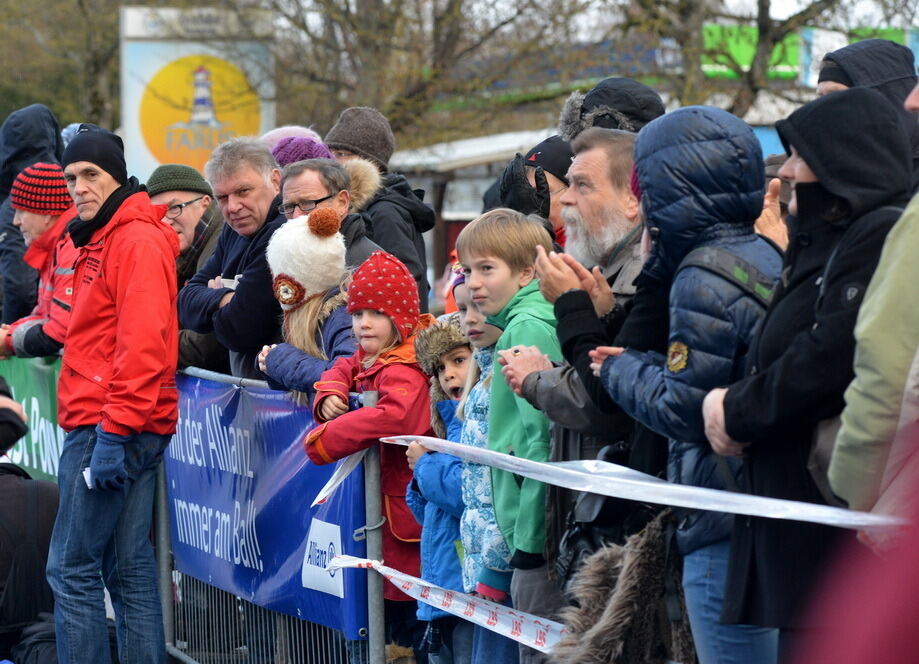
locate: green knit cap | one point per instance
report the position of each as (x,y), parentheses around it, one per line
(177,177)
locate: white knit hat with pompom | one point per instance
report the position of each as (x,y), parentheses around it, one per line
(307,257)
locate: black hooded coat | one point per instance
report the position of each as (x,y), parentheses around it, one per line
(613,103)
(800,364)
(27,136)
(889,68)
(396,218)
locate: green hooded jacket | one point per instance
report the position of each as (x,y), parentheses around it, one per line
(515,427)
(881,399)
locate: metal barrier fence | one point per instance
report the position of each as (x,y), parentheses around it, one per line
(204,624)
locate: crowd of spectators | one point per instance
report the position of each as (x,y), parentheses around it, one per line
(645,288)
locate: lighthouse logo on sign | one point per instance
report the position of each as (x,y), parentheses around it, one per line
(194,104)
(202,110)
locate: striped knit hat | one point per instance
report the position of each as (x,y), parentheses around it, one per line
(41,189)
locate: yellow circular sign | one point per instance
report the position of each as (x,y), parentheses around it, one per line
(192,105)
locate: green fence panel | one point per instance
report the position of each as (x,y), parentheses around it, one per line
(34,384)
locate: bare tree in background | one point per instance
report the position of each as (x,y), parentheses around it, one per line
(409,57)
(683,22)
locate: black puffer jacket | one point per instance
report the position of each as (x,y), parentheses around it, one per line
(801,361)
(889,68)
(396,217)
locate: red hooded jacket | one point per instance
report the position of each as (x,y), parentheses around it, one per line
(122,344)
(53,255)
(403,407)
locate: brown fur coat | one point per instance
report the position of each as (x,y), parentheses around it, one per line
(621,616)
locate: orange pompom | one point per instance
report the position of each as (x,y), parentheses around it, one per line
(324,222)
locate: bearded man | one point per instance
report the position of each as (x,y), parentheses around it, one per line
(591,286)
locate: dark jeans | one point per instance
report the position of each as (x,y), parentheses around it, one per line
(108,531)
(20,282)
(449,641)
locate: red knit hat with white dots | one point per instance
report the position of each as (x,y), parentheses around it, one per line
(41,189)
(383,283)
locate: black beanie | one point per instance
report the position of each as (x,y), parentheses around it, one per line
(100,147)
(831,71)
(554,155)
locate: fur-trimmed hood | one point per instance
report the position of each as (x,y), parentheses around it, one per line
(430,345)
(440,338)
(613,103)
(620,614)
(366,182)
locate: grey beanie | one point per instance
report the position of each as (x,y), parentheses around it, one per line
(365,132)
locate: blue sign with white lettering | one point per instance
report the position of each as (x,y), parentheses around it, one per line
(239,487)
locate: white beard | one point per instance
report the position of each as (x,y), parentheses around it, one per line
(593,249)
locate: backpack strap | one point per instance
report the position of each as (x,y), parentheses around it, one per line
(733,269)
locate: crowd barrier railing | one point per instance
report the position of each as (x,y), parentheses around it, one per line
(242,556)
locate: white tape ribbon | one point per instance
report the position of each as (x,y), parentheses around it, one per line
(525,628)
(609,479)
(345,467)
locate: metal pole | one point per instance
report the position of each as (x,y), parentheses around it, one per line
(195,372)
(164,555)
(374,514)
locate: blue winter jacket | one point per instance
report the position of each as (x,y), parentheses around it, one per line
(701,176)
(435,496)
(252,318)
(289,368)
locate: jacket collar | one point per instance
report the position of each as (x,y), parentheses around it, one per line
(138,207)
(503,317)
(404,353)
(623,252)
(38,252)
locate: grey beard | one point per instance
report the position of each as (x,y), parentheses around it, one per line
(594,249)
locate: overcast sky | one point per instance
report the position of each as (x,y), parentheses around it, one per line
(864,10)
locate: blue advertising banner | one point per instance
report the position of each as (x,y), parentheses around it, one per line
(239,487)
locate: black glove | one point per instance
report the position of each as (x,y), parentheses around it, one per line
(516,192)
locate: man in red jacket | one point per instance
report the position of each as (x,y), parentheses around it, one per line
(43,208)
(117,400)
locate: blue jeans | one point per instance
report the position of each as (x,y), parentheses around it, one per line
(108,531)
(704,574)
(491,648)
(457,643)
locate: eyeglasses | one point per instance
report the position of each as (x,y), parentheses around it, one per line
(173,211)
(290,209)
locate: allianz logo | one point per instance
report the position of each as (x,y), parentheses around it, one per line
(320,556)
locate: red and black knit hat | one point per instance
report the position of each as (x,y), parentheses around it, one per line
(41,189)
(383,283)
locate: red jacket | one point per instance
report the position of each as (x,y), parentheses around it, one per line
(403,407)
(53,255)
(121,347)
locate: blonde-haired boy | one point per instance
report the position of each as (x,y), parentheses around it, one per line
(498,252)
